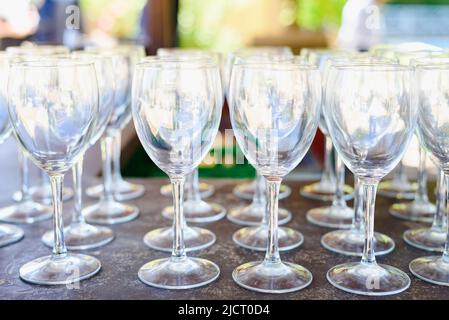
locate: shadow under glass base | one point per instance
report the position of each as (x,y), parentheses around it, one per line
(272,277)
(368,279)
(10,234)
(429,239)
(331,217)
(194,239)
(205,189)
(81,236)
(178,273)
(432,269)
(351,242)
(62,269)
(110,212)
(256,238)
(26,212)
(397,189)
(245,191)
(323,191)
(413,211)
(253,215)
(43,194)
(123,190)
(198,211)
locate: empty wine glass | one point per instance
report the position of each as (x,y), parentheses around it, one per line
(176,110)
(274,109)
(8,233)
(123,190)
(80,235)
(109,210)
(53,104)
(431,91)
(371,121)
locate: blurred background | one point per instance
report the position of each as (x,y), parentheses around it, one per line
(224,26)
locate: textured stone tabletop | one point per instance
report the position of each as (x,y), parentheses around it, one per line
(122,258)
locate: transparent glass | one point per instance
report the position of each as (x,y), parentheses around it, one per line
(205,189)
(176,107)
(371,120)
(108,210)
(274,109)
(53,107)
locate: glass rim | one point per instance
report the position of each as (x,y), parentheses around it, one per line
(280,65)
(53,62)
(375,67)
(432,65)
(155,62)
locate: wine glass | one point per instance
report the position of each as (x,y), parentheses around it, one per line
(8,233)
(53,106)
(80,235)
(122,189)
(274,109)
(176,110)
(431,88)
(371,121)
(109,210)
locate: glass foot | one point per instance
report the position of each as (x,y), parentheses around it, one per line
(25,212)
(194,239)
(272,277)
(198,212)
(42,194)
(110,212)
(397,189)
(63,269)
(178,273)
(368,279)
(253,214)
(245,191)
(9,234)
(205,189)
(256,238)
(123,190)
(331,217)
(351,242)
(413,211)
(81,236)
(323,191)
(431,269)
(429,239)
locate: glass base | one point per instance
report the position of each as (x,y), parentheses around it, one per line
(431,269)
(256,238)
(198,212)
(272,277)
(323,191)
(110,212)
(253,214)
(43,194)
(331,217)
(351,242)
(245,191)
(205,189)
(26,212)
(178,273)
(81,236)
(397,189)
(194,239)
(368,279)
(413,211)
(123,190)
(10,234)
(63,269)
(429,239)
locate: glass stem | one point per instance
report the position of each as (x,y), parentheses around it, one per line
(178,221)
(369,199)
(446,246)
(328,174)
(261,193)
(272,255)
(193,186)
(24,176)
(421,192)
(357,222)
(57,183)
(439,219)
(400,176)
(106,154)
(117,145)
(77,171)
(338,199)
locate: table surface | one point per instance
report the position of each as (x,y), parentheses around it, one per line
(122,258)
